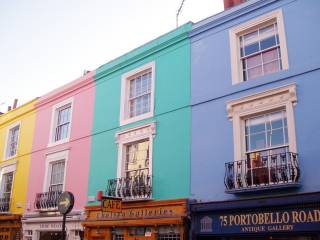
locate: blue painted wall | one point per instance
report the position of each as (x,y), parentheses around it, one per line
(211,88)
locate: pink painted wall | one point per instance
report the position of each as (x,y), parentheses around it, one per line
(77,169)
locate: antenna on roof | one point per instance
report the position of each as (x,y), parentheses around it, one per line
(178,12)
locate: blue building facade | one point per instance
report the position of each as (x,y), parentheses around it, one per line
(255,72)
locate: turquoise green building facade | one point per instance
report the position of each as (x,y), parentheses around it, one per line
(170,118)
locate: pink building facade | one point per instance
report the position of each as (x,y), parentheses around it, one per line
(60,159)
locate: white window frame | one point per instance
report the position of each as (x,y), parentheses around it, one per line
(236,32)
(54,119)
(53,158)
(8,168)
(284,97)
(125,85)
(5,156)
(132,135)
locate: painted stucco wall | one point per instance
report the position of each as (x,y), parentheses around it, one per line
(24,114)
(171,144)
(77,166)
(212,131)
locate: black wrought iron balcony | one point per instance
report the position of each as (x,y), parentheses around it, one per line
(137,186)
(261,171)
(5,204)
(47,201)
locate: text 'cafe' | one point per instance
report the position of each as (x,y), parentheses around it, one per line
(295,217)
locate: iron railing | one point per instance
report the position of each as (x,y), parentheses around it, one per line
(262,171)
(137,186)
(47,201)
(5,204)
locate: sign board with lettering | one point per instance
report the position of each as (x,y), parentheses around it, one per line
(111,205)
(288,220)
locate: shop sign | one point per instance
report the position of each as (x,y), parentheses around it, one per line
(139,213)
(54,226)
(111,205)
(292,220)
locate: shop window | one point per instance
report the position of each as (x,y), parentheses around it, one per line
(264,140)
(137,93)
(12,141)
(258,47)
(61,122)
(168,233)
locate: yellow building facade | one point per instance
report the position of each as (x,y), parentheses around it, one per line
(16,136)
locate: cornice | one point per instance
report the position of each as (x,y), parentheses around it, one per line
(15,114)
(140,53)
(228,15)
(60,92)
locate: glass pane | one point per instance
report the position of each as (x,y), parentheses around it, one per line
(276,120)
(277,137)
(250,37)
(257,124)
(271,67)
(257,141)
(268,42)
(254,61)
(254,72)
(267,30)
(252,48)
(270,55)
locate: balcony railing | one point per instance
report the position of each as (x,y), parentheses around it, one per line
(47,201)
(5,204)
(262,171)
(138,186)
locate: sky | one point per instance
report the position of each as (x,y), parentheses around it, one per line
(45,44)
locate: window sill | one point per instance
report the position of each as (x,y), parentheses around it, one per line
(52,144)
(136,118)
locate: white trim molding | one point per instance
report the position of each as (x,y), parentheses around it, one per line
(146,131)
(125,85)
(54,115)
(234,34)
(5,150)
(50,159)
(284,97)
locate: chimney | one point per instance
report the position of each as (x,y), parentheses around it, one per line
(231,3)
(15,103)
(9,108)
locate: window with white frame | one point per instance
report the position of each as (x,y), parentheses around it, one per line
(264,138)
(137,92)
(55,171)
(61,122)
(134,163)
(12,141)
(258,47)
(6,185)
(56,176)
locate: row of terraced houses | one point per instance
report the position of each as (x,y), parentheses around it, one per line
(208,132)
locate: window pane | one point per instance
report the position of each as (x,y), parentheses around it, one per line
(254,61)
(257,141)
(270,55)
(252,48)
(257,124)
(277,137)
(254,72)
(271,67)
(268,42)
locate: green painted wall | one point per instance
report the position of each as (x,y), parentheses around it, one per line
(172,113)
